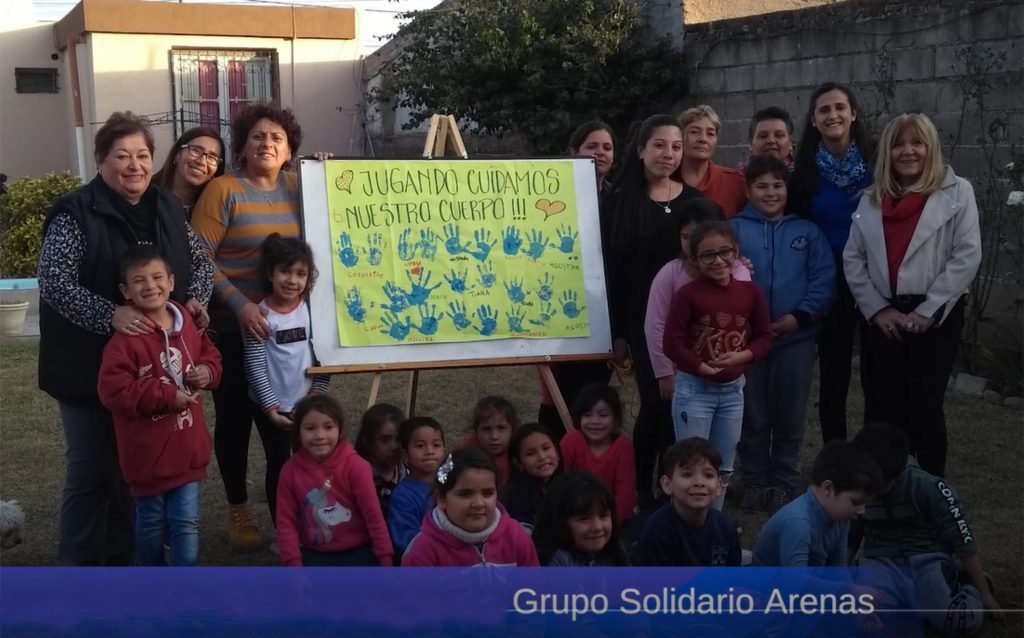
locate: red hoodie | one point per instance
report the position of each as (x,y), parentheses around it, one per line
(329,507)
(158,449)
(507,546)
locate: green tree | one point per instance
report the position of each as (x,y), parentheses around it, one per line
(22,210)
(537,68)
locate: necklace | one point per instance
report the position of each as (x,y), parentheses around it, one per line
(665,205)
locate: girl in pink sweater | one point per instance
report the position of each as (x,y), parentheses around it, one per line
(328,514)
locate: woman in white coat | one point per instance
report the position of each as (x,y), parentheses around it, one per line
(914,249)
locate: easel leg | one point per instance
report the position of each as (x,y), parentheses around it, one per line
(548,377)
(374,388)
(410,397)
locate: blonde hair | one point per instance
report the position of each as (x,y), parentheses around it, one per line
(691,115)
(934,166)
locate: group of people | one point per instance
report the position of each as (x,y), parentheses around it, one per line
(723,285)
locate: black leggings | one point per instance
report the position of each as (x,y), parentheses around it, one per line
(235,415)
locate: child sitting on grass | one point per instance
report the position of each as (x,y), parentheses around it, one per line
(494,422)
(812,529)
(917,523)
(422,441)
(688,531)
(377,442)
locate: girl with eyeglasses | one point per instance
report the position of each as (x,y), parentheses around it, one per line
(716,326)
(195,159)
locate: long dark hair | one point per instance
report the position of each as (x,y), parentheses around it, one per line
(804,182)
(373,420)
(164,178)
(629,200)
(575,493)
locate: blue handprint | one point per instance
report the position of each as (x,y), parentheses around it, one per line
(488,320)
(376,243)
(537,244)
(354,305)
(487,277)
(395,328)
(515,320)
(566,239)
(397,300)
(569,298)
(511,241)
(428,319)
(457,311)
(452,241)
(406,250)
(428,243)
(346,253)
(544,291)
(547,311)
(484,244)
(421,288)
(457,280)
(514,288)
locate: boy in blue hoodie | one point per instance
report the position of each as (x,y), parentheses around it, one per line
(794,266)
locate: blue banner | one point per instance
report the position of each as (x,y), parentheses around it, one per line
(473,602)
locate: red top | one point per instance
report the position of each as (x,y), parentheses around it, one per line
(726,187)
(330,506)
(471,440)
(615,467)
(707,320)
(158,449)
(899,221)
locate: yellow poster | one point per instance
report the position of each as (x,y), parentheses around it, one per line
(449,251)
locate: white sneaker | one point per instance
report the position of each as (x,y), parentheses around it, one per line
(746,557)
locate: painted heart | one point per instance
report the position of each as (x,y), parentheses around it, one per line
(416,270)
(549,207)
(723,319)
(344,181)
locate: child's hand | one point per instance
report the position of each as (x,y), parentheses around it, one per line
(989,602)
(199,376)
(785,325)
(730,359)
(279,419)
(183,400)
(667,386)
(706,370)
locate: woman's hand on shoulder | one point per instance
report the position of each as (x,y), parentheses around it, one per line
(198,313)
(250,319)
(129,321)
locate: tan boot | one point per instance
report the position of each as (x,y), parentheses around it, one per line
(243,533)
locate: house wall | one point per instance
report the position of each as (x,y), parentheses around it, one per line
(35,128)
(317,79)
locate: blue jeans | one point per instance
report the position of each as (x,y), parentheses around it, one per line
(95,509)
(713,411)
(175,511)
(775,404)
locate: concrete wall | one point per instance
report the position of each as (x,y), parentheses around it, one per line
(317,79)
(700,11)
(35,128)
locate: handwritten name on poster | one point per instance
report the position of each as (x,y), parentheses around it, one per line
(449,251)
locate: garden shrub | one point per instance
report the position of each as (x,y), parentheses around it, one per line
(22,210)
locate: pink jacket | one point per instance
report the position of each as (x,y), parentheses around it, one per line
(508,546)
(329,507)
(666,284)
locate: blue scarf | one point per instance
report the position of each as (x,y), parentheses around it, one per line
(845,173)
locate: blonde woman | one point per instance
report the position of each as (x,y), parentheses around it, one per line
(723,185)
(914,249)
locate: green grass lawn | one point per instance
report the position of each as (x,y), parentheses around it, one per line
(986,462)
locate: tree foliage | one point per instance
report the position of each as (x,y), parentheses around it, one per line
(22,210)
(537,68)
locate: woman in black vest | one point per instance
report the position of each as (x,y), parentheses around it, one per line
(84,236)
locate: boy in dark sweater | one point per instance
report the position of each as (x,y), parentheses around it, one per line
(688,531)
(917,525)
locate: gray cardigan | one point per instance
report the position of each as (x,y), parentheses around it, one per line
(941,261)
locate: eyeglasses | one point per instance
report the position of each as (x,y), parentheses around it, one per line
(195,152)
(726,254)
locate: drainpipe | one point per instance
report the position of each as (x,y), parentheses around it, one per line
(76,102)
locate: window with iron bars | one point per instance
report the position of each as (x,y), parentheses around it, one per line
(211,86)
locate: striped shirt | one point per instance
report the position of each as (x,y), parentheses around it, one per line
(233,217)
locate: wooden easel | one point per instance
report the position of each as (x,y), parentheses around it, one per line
(443,129)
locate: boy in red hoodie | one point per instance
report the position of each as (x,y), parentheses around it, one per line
(150,383)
